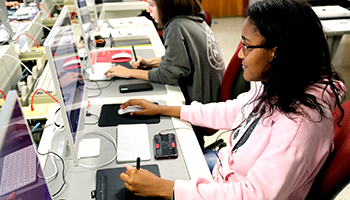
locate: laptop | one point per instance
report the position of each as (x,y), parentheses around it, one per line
(21,175)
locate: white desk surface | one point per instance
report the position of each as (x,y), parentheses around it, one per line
(193,157)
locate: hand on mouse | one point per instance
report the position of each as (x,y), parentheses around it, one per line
(147,108)
(139,63)
(119,71)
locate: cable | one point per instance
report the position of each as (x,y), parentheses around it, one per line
(54,175)
(74,13)
(98,88)
(31,104)
(114,144)
(90,114)
(173,129)
(3,94)
(37,45)
(63,169)
(45,9)
(47,28)
(8,32)
(36,126)
(14,85)
(21,63)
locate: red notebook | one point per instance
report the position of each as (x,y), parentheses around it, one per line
(106,56)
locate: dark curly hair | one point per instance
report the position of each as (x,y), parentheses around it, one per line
(302,55)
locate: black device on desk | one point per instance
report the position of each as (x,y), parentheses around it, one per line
(109,117)
(165,146)
(110,187)
(136,87)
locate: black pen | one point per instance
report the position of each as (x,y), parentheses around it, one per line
(138,162)
(134,52)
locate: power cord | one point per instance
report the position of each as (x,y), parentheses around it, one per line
(63,170)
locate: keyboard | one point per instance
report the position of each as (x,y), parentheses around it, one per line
(19,170)
(99,70)
(132,142)
(23,11)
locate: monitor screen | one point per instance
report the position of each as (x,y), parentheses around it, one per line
(18,157)
(67,75)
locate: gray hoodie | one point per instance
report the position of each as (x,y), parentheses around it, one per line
(192,60)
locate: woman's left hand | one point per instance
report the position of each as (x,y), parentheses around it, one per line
(119,71)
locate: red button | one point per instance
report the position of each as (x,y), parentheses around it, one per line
(157,146)
(173,144)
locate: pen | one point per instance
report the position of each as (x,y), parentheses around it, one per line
(138,160)
(134,52)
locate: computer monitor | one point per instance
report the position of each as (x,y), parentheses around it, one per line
(64,62)
(4,22)
(84,12)
(87,28)
(98,4)
(16,143)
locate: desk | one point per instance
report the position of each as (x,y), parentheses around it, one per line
(122,9)
(189,154)
(334,31)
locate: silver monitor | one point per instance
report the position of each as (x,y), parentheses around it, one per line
(69,82)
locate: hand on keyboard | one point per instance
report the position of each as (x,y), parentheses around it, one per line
(119,71)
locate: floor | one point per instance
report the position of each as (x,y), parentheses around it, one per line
(228,34)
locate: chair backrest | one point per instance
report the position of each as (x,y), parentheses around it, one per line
(233,82)
(335,175)
(232,85)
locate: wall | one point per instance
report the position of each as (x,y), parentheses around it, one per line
(224,8)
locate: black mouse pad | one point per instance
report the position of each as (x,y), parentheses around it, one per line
(109,186)
(109,117)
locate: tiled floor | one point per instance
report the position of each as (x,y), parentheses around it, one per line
(228,33)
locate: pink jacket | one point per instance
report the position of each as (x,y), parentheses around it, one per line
(279,160)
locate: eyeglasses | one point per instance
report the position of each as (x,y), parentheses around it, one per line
(246,49)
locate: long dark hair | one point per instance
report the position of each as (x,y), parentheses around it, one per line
(302,55)
(168,9)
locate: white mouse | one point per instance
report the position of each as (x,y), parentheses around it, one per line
(71,62)
(121,55)
(129,109)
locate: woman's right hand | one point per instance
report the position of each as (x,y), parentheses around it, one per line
(148,108)
(139,63)
(151,109)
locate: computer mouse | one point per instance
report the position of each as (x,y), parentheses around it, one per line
(71,63)
(121,55)
(129,109)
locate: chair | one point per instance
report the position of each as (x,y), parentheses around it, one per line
(232,85)
(335,174)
